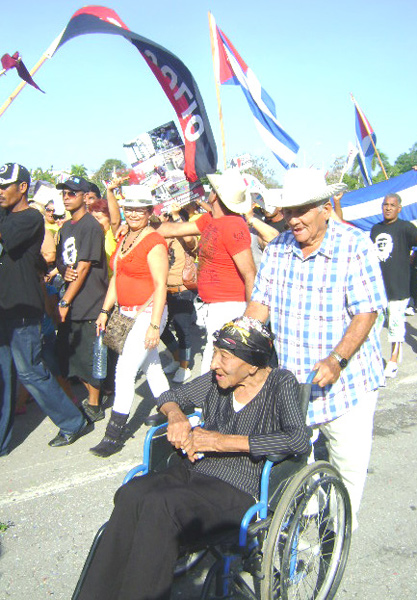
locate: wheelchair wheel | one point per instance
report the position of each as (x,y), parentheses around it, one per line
(306,550)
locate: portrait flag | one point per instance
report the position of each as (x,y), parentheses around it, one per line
(174,77)
(231,69)
(15,62)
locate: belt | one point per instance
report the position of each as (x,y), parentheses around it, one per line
(174,289)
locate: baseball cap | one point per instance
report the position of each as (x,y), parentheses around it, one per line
(12,172)
(75,183)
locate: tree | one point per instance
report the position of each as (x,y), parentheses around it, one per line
(407,160)
(79,171)
(41,175)
(262,170)
(106,171)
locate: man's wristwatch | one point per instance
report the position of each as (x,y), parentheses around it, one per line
(342,361)
(63,303)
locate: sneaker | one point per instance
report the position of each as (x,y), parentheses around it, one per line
(92,414)
(171,367)
(409,311)
(391,369)
(181,375)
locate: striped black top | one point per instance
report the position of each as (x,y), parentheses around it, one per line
(272,420)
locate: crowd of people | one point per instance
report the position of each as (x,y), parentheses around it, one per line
(291,264)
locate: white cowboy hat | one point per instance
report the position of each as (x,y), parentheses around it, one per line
(231,189)
(306,186)
(271,200)
(137,196)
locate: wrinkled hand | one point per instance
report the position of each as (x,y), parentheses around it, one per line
(70,274)
(178,430)
(328,371)
(201,440)
(151,338)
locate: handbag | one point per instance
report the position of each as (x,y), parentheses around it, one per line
(189,273)
(118,326)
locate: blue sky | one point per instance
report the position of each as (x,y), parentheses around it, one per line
(308,56)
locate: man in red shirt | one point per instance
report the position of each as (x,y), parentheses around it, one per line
(226,270)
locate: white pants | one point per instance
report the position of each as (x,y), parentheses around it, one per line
(349,442)
(216,315)
(134,357)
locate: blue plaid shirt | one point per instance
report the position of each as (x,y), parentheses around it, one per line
(312,302)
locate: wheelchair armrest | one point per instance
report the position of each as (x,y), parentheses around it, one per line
(155,420)
(277,458)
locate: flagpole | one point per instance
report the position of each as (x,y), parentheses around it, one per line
(47,54)
(219,103)
(365,122)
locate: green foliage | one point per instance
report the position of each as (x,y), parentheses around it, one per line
(407,160)
(262,170)
(79,171)
(106,171)
(39,174)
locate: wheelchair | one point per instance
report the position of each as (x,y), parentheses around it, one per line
(293,544)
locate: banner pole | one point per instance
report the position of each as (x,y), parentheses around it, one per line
(365,122)
(47,54)
(212,27)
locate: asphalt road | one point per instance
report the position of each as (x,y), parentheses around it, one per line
(53,500)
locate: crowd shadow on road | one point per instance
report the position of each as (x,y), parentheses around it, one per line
(411,337)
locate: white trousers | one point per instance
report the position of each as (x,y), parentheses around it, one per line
(215,316)
(134,357)
(349,442)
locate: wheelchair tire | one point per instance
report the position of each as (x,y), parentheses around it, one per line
(307,546)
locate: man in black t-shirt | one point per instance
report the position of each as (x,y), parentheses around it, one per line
(81,260)
(21,310)
(393,239)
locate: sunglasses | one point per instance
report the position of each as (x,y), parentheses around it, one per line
(70,193)
(51,210)
(138,211)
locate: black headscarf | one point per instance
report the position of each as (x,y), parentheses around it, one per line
(246,338)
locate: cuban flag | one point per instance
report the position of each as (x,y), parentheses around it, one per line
(364,133)
(174,77)
(363,208)
(231,69)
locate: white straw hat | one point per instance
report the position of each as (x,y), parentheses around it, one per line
(231,189)
(305,186)
(137,196)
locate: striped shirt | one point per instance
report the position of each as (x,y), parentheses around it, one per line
(272,420)
(312,302)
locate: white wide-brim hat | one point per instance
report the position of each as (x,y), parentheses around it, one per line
(137,196)
(306,186)
(271,199)
(231,189)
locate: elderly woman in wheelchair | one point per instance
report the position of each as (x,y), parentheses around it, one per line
(249,411)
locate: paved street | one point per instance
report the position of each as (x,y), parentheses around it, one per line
(54,499)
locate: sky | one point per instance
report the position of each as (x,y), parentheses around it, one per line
(307,55)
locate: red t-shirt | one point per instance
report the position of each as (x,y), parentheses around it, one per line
(134,283)
(218,277)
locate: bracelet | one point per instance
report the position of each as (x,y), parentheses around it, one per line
(153,326)
(105,312)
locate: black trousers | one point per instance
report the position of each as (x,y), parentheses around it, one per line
(152,517)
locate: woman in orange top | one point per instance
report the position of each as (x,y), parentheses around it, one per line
(140,267)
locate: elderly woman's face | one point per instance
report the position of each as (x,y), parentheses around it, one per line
(230,370)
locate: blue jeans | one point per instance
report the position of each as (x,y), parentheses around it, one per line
(20,351)
(180,314)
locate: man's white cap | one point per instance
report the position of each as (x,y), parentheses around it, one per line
(306,186)
(231,189)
